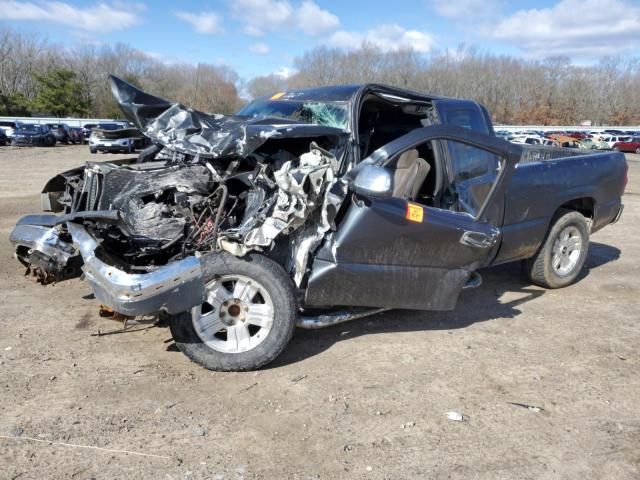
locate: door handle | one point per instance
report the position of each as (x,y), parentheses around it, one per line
(478,239)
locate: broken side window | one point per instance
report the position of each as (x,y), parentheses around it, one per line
(475,171)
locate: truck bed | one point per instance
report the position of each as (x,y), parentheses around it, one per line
(547,178)
(539,153)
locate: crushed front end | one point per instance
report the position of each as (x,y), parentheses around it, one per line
(139,230)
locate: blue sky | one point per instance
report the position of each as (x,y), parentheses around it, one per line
(258,37)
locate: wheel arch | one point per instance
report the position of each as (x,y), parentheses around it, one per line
(585,205)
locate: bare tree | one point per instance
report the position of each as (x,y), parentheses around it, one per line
(515,90)
(266,85)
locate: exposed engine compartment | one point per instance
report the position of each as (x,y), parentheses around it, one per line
(152,213)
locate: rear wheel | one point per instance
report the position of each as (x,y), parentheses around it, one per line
(563,253)
(247,318)
(638,150)
(93,150)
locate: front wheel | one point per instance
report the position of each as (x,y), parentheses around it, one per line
(561,257)
(638,151)
(248,316)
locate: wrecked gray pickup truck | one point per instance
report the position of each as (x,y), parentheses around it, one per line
(310,208)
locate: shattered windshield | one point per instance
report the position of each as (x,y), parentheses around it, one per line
(327,114)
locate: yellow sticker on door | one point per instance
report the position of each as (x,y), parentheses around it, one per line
(415,213)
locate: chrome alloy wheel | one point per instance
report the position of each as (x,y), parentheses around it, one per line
(566,251)
(237,314)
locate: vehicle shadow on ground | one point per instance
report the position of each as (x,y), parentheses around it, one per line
(504,289)
(599,254)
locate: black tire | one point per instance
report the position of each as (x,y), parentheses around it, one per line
(93,150)
(539,268)
(279,287)
(638,151)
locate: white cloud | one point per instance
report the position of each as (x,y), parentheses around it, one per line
(386,37)
(581,28)
(285,72)
(259,48)
(348,40)
(101,18)
(203,22)
(466,9)
(312,20)
(259,16)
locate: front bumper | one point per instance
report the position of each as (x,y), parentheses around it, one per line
(173,288)
(43,238)
(112,149)
(115,145)
(27,142)
(618,215)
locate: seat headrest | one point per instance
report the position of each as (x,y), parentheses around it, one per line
(407,159)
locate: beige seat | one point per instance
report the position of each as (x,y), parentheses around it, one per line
(411,171)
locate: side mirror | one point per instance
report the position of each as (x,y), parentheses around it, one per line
(373,182)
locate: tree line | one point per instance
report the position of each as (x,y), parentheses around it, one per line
(44,78)
(552,91)
(40,77)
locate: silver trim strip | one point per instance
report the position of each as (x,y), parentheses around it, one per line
(123,287)
(334,318)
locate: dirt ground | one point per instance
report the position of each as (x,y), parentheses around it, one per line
(366,399)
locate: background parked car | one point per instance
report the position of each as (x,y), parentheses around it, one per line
(8,127)
(578,135)
(593,144)
(630,146)
(113,137)
(76,135)
(528,139)
(565,141)
(32,134)
(140,141)
(60,131)
(613,139)
(86,131)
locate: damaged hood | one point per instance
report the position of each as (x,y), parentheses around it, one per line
(192,132)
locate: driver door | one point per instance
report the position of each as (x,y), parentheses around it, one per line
(396,252)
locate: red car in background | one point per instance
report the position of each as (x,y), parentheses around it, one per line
(578,135)
(632,146)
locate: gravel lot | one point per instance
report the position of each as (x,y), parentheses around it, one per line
(366,399)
